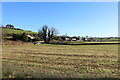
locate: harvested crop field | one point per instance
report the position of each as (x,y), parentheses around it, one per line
(60,61)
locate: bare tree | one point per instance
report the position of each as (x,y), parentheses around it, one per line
(48,33)
(43,32)
(52,32)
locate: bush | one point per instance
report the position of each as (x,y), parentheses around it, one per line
(15,37)
(24,37)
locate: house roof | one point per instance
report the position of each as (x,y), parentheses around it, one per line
(32,37)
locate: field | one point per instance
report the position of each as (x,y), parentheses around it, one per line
(13,31)
(60,61)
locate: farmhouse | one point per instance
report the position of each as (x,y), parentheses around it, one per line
(74,39)
(68,38)
(71,38)
(31,38)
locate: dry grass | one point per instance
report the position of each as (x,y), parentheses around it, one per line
(60,61)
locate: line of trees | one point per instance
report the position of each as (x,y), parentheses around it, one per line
(47,34)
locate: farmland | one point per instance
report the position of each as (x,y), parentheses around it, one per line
(14,31)
(60,61)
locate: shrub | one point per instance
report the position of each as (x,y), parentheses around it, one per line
(24,37)
(15,37)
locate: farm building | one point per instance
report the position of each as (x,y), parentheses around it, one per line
(31,38)
(68,38)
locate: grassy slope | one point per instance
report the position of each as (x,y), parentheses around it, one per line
(13,31)
(60,61)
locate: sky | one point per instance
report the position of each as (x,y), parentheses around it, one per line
(94,19)
(60,0)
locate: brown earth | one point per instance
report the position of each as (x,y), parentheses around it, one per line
(10,42)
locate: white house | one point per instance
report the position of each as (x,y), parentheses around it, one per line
(31,37)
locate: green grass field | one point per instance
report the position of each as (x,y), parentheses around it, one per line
(13,31)
(60,61)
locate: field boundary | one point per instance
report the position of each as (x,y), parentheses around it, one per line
(86,43)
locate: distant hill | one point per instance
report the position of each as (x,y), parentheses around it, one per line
(15,31)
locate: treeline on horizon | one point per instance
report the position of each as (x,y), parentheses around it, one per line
(47,34)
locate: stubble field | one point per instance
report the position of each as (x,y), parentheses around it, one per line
(60,61)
